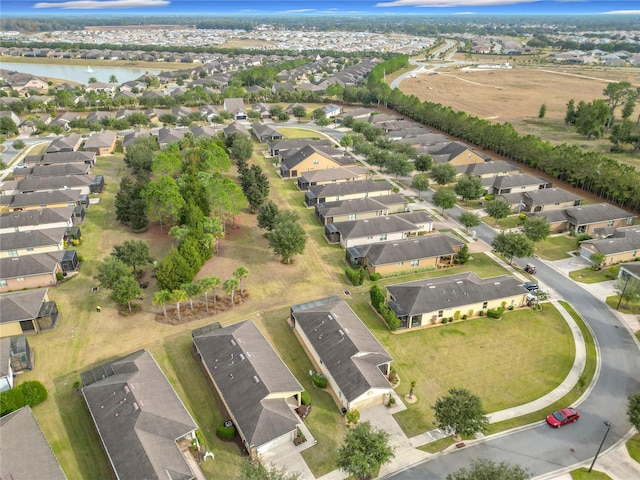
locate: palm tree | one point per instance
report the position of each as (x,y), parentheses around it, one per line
(207,284)
(192,290)
(413,385)
(346,141)
(162,298)
(179,296)
(240,273)
(113,79)
(230,287)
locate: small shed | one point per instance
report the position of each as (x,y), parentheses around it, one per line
(97,185)
(77,217)
(69,262)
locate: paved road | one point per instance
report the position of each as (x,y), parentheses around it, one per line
(538,447)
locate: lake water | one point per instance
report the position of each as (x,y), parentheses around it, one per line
(77,73)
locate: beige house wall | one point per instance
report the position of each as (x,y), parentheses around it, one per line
(358,216)
(35,281)
(308,164)
(554,206)
(465,158)
(432,318)
(24,251)
(10,329)
(38,207)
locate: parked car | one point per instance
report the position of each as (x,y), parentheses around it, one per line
(530,268)
(562,417)
(531,286)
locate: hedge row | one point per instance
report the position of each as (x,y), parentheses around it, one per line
(27,393)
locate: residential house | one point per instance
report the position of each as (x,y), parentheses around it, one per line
(282,146)
(341,347)
(261,108)
(37,270)
(549,199)
(25,452)
(487,170)
(629,271)
(377,229)
(15,244)
(429,301)
(101,87)
(332,111)
(265,133)
(139,418)
(60,169)
(359,208)
(516,183)
(64,119)
(331,192)
(587,218)
(235,127)
(10,115)
(24,82)
(455,153)
(84,183)
(168,135)
(43,218)
(309,157)
(236,107)
(28,311)
(102,143)
(37,200)
(70,143)
(61,157)
(203,131)
(256,388)
(331,175)
(360,114)
(427,251)
(621,245)
(15,357)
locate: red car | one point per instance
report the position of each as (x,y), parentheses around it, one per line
(562,417)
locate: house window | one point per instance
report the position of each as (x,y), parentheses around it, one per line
(557,203)
(629,221)
(610,224)
(415,263)
(400,263)
(316,161)
(20,279)
(13,253)
(69,204)
(16,229)
(440,313)
(484,305)
(30,249)
(3,283)
(352,216)
(383,237)
(370,237)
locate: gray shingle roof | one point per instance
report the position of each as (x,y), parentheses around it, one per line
(623,240)
(350,188)
(42,216)
(517,180)
(348,350)
(65,143)
(236,127)
(60,157)
(433,294)
(330,174)
(77,168)
(291,158)
(595,213)
(632,267)
(30,265)
(23,200)
(548,196)
(373,226)
(295,143)
(32,238)
(18,306)
(250,376)
(261,130)
(35,184)
(353,205)
(25,452)
(485,168)
(427,246)
(139,417)
(102,139)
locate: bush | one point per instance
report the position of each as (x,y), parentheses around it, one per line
(456,315)
(11,400)
(581,237)
(29,393)
(495,313)
(34,392)
(18,145)
(377,297)
(226,433)
(353,416)
(444,320)
(464,317)
(304,398)
(481,313)
(374,277)
(319,380)
(355,276)
(392,320)
(450,319)
(489,197)
(59,276)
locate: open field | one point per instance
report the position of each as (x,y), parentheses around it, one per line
(95,63)
(515,96)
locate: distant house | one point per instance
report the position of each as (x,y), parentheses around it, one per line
(455,153)
(28,311)
(15,357)
(308,158)
(24,82)
(346,190)
(30,242)
(587,218)
(86,184)
(257,389)
(236,107)
(487,169)
(60,169)
(139,418)
(70,143)
(355,364)
(25,452)
(427,302)
(549,199)
(630,270)
(61,157)
(235,127)
(44,218)
(331,175)
(622,245)
(265,133)
(359,208)
(168,135)
(101,87)
(37,200)
(35,271)
(436,250)
(518,182)
(332,110)
(377,229)
(278,148)
(102,143)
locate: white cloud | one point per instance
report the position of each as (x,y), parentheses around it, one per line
(622,12)
(464,13)
(299,10)
(98,4)
(449,3)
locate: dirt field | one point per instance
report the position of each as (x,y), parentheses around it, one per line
(514,95)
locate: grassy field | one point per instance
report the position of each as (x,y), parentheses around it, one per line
(589,275)
(632,308)
(584,474)
(556,247)
(96,63)
(511,221)
(85,338)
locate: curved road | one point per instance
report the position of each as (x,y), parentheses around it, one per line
(538,447)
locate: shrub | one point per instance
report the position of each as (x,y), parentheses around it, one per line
(489,197)
(59,276)
(377,297)
(581,237)
(319,380)
(450,319)
(464,317)
(481,313)
(456,315)
(353,416)
(304,398)
(495,313)
(11,400)
(81,258)
(444,320)
(392,320)
(34,392)
(29,393)
(374,277)
(226,433)
(355,276)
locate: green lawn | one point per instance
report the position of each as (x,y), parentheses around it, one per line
(633,447)
(589,275)
(632,308)
(292,133)
(584,474)
(537,346)
(511,221)
(556,247)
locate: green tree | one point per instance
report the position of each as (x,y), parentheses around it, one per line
(485,469)
(178,296)
(543,110)
(469,219)
(364,450)
(592,118)
(287,238)
(423,163)
(173,271)
(164,201)
(255,186)
(536,228)
(443,173)
(512,245)
(299,111)
(444,198)
(267,215)
(167,162)
(192,290)
(633,410)
(420,183)
(162,297)
(240,146)
(346,141)
(461,412)
(570,116)
(208,284)
(319,114)
(396,164)
(168,119)
(240,274)
(230,286)
(628,289)
(497,209)
(463,255)
(18,145)
(126,290)
(597,259)
(139,156)
(469,187)
(93,80)
(111,270)
(257,471)
(617,94)
(134,253)
(8,127)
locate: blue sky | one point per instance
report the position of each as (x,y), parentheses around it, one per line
(318,7)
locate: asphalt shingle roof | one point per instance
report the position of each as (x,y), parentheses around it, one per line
(23,200)
(373,226)
(332,174)
(31,238)
(18,306)
(547,196)
(42,216)
(350,188)
(427,246)
(595,213)
(517,180)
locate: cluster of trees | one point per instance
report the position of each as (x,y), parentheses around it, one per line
(392,156)
(287,238)
(254,183)
(590,171)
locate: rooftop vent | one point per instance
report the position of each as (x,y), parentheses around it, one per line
(241,357)
(256,379)
(135,407)
(233,342)
(432,286)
